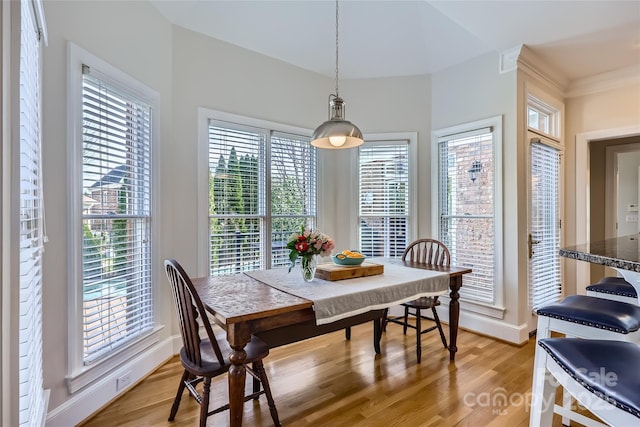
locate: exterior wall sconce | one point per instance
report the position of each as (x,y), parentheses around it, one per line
(476,168)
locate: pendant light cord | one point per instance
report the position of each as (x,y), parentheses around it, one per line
(337,15)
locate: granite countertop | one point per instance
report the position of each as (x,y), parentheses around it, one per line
(622,252)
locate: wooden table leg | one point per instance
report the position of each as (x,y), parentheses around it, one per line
(454,315)
(238,336)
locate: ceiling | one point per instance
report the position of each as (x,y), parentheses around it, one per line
(401,38)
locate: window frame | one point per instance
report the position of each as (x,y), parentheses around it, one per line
(497,309)
(391,138)
(204,116)
(79,375)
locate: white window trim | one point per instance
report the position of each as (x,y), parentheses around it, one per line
(497,309)
(545,102)
(78,374)
(202,171)
(380,139)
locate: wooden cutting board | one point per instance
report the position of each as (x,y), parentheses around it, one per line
(331,271)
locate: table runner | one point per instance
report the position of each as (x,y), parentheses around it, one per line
(340,299)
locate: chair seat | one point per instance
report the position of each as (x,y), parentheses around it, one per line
(600,313)
(587,360)
(256,350)
(422,303)
(614,286)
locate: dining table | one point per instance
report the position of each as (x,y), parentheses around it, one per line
(246,304)
(620,253)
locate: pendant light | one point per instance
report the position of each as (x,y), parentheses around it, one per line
(336,133)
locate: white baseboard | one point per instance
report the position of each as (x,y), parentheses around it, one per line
(516,334)
(485,325)
(93,397)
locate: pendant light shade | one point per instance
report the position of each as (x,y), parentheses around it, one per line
(336,133)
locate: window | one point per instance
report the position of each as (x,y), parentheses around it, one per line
(262,188)
(116,254)
(542,117)
(112,205)
(467,206)
(384,197)
(32,401)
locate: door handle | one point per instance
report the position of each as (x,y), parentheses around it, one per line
(530,243)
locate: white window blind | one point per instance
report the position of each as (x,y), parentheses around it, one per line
(262,188)
(116,213)
(466,203)
(544,264)
(293,191)
(32,237)
(383,176)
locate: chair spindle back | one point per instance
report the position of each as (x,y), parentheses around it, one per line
(427,251)
(189,307)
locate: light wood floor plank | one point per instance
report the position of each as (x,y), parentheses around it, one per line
(328,381)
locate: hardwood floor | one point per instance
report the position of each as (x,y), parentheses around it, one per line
(328,381)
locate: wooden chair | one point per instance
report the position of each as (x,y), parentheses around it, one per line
(602,375)
(424,251)
(205,358)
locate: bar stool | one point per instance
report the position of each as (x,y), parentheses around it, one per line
(585,317)
(602,375)
(615,288)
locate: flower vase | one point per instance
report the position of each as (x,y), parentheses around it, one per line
(308,264)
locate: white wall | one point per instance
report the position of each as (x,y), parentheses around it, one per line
(472,91)
(133,37)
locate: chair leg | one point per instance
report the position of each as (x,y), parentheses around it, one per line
(176,401)
(418,335)
(259,368)
(543,392)
(384,319)
(204,404)
(406,320)
(256,382)
(377,334)
(437,319)
(347,333)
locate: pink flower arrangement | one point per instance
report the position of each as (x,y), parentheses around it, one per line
(308,243)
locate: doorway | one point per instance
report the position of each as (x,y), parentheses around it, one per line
(604,207)
(583,196)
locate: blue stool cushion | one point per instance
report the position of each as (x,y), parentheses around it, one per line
(614,286)
(609,369)
(616,316)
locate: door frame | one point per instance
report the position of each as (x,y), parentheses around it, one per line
(582,201)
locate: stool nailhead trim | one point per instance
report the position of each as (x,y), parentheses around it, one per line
(582,322)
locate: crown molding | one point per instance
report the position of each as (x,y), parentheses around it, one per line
(531,63)
(604,82)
